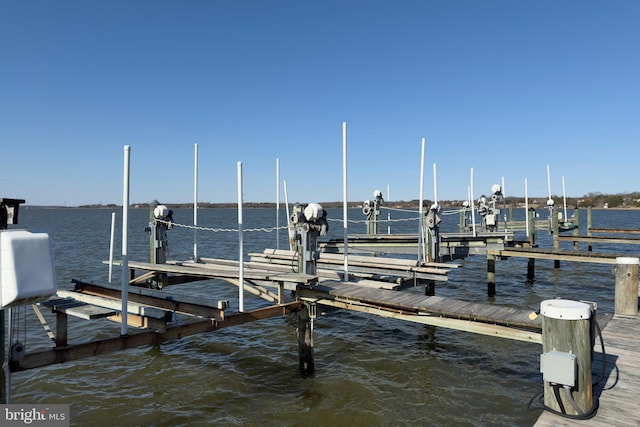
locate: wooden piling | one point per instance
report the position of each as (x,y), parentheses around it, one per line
(555,230)
(531,233)
(626,272)
(566,346)
(430,288)
(491,275)
(305,338)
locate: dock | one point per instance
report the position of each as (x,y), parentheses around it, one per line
(296,282)
(557,255)
(486,319)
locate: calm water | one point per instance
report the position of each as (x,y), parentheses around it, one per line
(369,371)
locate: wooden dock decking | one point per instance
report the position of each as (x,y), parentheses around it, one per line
(487,319)
(557,254)
(619,390)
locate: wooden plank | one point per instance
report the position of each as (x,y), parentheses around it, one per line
(76,308)
(406,301)
(88,312)
(548,254)
(613,230)
(601,239)
(114,304)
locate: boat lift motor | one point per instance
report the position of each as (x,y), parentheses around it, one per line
(488,210)
(161,220)
(371,208)
(433,220)
(307,223)
(550,206)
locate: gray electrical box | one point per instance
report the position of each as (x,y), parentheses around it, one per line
(559,367)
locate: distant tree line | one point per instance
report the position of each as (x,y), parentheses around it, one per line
(594,200)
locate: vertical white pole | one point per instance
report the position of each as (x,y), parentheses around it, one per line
(435,185)
(286,206)
(526,206)
(195,204)
(388,212)
(564,200)
(241,243)
(504,204)
(125,242)
(549,181)
(344,203)
(420,208)
(473,207)
(277,204)
(113,232)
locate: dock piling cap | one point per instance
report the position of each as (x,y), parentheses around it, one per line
(564,309)
(627,260)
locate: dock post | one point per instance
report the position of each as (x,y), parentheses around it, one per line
(160,220)
(491,275)
(306,317)
(555,230)
(430,288)
(566,359)
(627,285)
(531,233)
(372,211)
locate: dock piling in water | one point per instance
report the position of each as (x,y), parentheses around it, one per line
(306,316)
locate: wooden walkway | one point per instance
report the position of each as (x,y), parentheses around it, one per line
(452,245)
(486,319)
(557,254)
(619,391)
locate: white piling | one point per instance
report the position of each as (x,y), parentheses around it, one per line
(111,244)
(388,212)
(125,241)
(344,203)
(526,206)
(240,243)
(473,207)
(277,204)
(420,209)
(286,205)
(549,182)
(504,205)
(435,185)
(564,201)
(195,203)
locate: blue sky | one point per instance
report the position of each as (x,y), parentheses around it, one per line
(503,87)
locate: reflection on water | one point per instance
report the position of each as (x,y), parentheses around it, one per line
(369,371)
